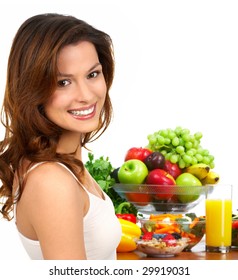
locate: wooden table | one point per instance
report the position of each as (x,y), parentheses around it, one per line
(197,253)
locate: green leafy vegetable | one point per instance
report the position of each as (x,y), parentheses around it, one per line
(101,170)
(191,215)
(150,226)
(197,229)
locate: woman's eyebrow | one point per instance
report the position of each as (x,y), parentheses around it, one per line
(70,75)
(96,64)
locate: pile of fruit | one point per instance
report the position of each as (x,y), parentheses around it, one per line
(144,166)
(172,157)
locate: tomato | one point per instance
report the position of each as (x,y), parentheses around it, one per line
(141,199)
(235,224)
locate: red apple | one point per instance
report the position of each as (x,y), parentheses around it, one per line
(172,168)
(137,153)
(161,178)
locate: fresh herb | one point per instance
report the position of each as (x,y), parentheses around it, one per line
(101,170)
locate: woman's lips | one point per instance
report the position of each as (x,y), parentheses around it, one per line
(84,113)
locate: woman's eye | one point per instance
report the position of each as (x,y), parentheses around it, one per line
(63,83)
(93,74)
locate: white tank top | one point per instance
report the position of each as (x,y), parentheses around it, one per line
(102,230)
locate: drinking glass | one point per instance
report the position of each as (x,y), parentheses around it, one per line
(218,218)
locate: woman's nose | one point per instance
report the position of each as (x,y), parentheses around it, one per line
(83,91)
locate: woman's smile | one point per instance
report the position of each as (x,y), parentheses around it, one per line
(84,113)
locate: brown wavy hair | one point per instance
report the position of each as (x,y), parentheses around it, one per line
(31,79)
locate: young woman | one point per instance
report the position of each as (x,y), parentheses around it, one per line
(60,70)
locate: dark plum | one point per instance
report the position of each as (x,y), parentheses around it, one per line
(114,174)
(155,160)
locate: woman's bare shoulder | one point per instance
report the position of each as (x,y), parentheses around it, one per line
(49,172)
(51,179)
(48,168)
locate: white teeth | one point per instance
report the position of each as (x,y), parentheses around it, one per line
(83,112)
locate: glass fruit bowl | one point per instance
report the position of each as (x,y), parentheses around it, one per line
(188,226)
(161,198)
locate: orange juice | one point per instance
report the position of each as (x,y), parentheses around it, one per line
(218,222)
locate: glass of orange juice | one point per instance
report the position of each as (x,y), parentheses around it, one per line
(218,218)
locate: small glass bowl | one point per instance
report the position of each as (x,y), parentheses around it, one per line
(157,248)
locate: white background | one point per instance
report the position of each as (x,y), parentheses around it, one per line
(176,64)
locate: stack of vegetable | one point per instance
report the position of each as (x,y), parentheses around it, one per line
(103,173)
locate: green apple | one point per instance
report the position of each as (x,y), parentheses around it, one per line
(132,171)
(189,193)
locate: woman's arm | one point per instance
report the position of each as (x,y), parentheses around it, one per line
(55,205)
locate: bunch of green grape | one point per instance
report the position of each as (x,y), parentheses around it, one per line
(180,146)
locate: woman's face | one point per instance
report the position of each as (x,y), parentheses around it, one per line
(78,100)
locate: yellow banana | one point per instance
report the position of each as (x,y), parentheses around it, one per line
(199,170)
(211,178)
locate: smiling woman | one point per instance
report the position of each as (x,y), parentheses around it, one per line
(62,68)
(81,90)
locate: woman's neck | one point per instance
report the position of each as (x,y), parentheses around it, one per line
(69,143)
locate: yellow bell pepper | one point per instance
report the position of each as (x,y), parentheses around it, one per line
(130,231)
